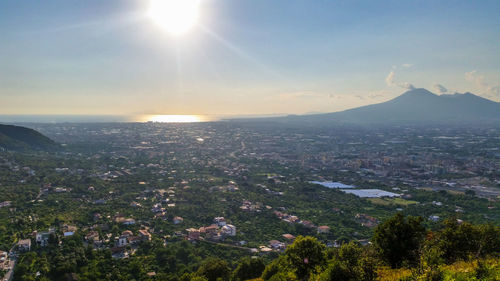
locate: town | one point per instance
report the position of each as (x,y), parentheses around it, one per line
(119,187)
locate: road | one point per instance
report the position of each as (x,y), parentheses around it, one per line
(233,154)
(227,245)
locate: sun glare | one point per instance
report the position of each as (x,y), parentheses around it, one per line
(175,118)
(175,16)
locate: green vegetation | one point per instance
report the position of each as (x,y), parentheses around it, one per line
(21,138)
(417,254)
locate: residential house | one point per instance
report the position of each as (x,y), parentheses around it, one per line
(145,235)
(42,238)
(24,245)
(193,233)
(178,220)
(229,230)
(323,229)
(277,245)
(220,221)
(122,241)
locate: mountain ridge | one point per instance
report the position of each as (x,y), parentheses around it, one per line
(418,106)
(19,138)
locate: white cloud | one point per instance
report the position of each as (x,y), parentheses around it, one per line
(439,88)
(391,82)
(481,84)
(407,65)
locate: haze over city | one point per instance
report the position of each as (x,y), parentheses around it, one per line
(240,57)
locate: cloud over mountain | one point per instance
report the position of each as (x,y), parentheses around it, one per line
(480,82)
(390,81)
(439,88)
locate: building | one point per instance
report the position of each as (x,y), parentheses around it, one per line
(4,260)
(229,230)
(127,233)
(24,245)
(145,235)
(193,233)
(220,221)
(42,238)
(212,229)
(277,245)
(5,204)
(122,241)
(323,229)
(178,220)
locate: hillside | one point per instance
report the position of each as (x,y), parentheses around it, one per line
(418,106)
(21,138)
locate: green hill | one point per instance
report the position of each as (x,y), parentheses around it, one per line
(20,138)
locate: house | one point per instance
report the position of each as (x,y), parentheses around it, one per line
(434,218)
(289,236)
(220,221)
(209,229)
(135,204)
(229,230)
(60,189)
(42,238)
(178,220)
(122,241)
(127,233)
(93,237)
(97,217)
(24,245)
(119,252)
(134,239)
(4,260)
(323,229)
(5,204)
(193,233)
(128,221)
(307,224)
(145,235)
(277,245)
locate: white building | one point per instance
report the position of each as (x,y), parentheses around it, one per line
(122,241)
(229,230)
(42,238)
(220,221)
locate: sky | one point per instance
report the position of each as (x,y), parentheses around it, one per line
(250,57)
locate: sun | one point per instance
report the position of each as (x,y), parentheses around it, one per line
(175,16)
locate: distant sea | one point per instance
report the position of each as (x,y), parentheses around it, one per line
(13,119)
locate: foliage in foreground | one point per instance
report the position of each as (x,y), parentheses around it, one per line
(402,249)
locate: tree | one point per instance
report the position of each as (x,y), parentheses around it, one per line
(335,271)
(249,268)
(214,268)
(273,268)
(399,239)
(305,255)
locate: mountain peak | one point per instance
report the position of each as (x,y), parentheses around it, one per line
(418,106)
(418,91)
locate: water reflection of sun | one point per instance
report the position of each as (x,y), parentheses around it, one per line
(175,118)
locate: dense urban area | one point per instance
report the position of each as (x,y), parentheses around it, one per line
(155,201)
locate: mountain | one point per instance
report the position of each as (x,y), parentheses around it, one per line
(418,106)
(21,138)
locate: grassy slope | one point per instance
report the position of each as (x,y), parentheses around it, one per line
(458,271)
